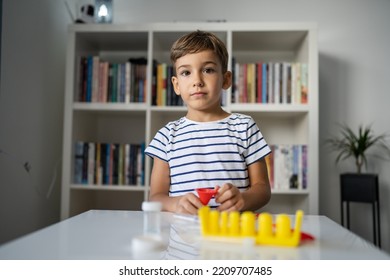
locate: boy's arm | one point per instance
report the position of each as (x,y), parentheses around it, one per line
(259,193)
(159,191)
(257,196)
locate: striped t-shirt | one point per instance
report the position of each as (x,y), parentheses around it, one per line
(207,154)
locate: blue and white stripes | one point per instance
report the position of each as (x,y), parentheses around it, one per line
(206,154)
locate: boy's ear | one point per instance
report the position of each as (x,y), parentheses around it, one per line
(227,80)
(175,85)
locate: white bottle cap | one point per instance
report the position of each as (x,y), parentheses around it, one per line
(147,243)
(151,206)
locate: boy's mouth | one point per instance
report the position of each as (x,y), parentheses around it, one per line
(198,93)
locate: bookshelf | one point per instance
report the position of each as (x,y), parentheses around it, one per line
(137,122)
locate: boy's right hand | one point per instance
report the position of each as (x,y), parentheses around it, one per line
(188,204)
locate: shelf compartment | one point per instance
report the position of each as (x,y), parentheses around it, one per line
(124,126)
(86,199)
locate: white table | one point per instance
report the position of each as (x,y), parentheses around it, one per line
(104,234)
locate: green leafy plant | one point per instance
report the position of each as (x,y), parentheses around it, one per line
(355,145)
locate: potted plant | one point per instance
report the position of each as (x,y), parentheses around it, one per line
(359,186)
(350,144)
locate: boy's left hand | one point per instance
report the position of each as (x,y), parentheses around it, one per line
(230,198)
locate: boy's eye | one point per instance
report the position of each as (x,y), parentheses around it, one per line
(184,73)
(209,70)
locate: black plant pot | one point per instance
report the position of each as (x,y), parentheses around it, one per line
(361,188)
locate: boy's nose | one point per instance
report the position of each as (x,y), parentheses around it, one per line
(198,80)
(198,84)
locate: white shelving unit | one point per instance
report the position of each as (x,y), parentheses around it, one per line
(138,122)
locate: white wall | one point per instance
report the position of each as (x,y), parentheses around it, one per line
(353,43)
(31,112)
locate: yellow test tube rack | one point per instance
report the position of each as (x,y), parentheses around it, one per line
(235,226)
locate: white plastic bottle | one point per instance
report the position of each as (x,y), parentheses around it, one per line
(152,217)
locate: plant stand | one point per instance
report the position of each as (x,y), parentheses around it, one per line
(361,188)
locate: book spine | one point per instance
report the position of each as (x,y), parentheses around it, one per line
(95,78)
(259,82)
(284,82)
(97,179)
(85,163)
(127,82)
(304,166)
(277,83)
(304,83)
(89,79)
(264,83)
(270,83)
(127,164)
(78,167)
(91,163)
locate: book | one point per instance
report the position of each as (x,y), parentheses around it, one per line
(251,83)
(95,78)
(115,164)
(289,84)
(244,92)
(127,164)
(91,163)
(154,83)
(298,89)
(78,165)
(241,84)
(111,164)
(119,83)
(98,166)
(296,167)
(304,167)
(89,79)
(122,83)
(103,164)
(270,83)
(120,164)
(304,83)
(106,69)
(128,84)
(139,180)
(160,85)
(82,75)
(289,166)
(284,71)
(294,98)
(85,163)
(277,88)
(264,84)
(108,163)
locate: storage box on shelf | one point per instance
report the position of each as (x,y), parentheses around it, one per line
(136,122)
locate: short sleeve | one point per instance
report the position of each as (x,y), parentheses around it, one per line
(257,147)
(158,145)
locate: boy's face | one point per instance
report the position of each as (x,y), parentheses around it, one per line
(199,80)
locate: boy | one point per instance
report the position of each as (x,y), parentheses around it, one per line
(208,147)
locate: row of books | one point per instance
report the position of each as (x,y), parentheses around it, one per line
(287,167)
(272,82)
(109,164)
(103,81)
(162,88)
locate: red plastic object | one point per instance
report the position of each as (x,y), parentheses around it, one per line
(306,236)
(206,194)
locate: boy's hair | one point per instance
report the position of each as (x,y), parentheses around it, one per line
(198,41)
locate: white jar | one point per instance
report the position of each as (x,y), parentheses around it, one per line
(152,217)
